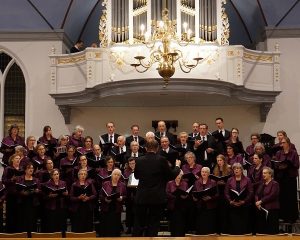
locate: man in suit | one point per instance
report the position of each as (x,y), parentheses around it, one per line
(77,47)
(205,147)
(184,146)
(108,140)
(135,136)
(133,152)
(119,152)
(162,132)
(97,159)
(221,134)
(195,131)
(153,173)
(166,151)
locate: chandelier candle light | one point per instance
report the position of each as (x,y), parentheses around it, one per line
(165,33)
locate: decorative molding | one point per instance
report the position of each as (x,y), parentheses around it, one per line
(153,86)
(187,10)
(282,32)
(258,57)
(66,112)
(230,53)
(70,60)
(225,31)
(103,37)
(41,35)
(139,11)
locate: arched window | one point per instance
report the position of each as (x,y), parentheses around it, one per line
(14,93)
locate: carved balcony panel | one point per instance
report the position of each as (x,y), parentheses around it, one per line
(227,75)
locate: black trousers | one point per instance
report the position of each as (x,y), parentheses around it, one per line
(147,220)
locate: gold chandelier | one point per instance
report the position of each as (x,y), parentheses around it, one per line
(163,54)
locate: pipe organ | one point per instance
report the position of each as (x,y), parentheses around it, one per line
(127,21)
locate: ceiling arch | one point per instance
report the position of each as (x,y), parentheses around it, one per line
(80,19)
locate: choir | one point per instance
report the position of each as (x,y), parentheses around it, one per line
(222,187)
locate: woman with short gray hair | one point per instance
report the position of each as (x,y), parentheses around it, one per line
(267,204)
(77,139)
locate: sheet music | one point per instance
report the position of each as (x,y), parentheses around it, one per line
(101,140)
(132,182)
(266,211)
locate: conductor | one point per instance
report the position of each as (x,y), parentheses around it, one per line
(153,173)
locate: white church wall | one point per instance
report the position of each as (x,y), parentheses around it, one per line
(284,113)
(32,57)
(93,119)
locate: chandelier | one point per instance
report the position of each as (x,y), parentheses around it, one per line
(161,51)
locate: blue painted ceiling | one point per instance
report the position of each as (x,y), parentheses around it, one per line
(80,18)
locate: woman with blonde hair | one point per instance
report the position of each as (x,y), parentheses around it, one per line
(222,171)
(222,168)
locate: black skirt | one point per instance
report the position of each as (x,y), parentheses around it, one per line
(82,219)
(267,224)
(54,220)
(288,199)
(238,220)
(206,222)
(110,224)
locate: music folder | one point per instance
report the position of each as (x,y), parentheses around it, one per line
(132,181)
(61,149)
(80,190)
(2,191)
(238,196)
(27,188)
(220,178)
(206,192)
(190,177)
(265,211)
(52,190)
(14,172)
(10,146)
(112,196)
(247,164)
(179,192)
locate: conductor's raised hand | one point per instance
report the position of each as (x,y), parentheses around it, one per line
(178,163)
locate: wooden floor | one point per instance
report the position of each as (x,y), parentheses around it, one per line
(259,237)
